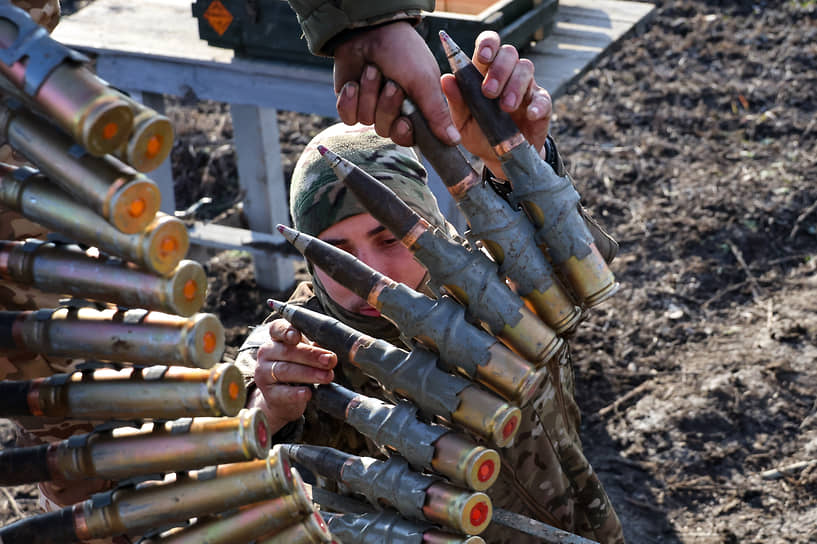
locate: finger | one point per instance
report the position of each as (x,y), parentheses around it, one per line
(517,85)
(349,64)
(368,95)
(285,402)
(283,331)
(486,47)
(275,372)
(348,102)
(402,133)
(388,109)
(301,353)
(540,106)
(500,71)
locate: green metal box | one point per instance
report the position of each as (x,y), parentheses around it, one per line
(269,28)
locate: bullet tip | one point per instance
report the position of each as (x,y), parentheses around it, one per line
(275,305)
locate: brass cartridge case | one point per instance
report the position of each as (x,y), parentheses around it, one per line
(250,521)
(162,447)
(98,117)
(132,510)
(397,428)
(461,460)
(154,393)
(510,376)
(590,277)
(150,141)
(159,248)
(470,512)
(134,336)
(470,278)
(63,270)
(495,418)
(125,198)
(312,530)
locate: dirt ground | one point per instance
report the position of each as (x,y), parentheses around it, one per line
(695,142)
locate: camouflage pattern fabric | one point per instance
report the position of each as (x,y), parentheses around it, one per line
(322,21)
(319,200)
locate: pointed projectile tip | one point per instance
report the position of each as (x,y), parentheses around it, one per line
(286,232)
(275,305)
(450,46)
(322,149)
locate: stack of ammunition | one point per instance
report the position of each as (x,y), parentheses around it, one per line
(175,430)
(171,427)
(479,350)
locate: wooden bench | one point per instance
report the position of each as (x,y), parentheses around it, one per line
(151,48)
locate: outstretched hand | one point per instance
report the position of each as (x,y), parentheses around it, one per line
(376,69)
(509,79)
(286,366)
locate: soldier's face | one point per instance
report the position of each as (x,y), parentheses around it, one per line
(365,238)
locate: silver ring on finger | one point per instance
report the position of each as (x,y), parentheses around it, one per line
(272,372)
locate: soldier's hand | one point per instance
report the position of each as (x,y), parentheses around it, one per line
(286,365)
(510,79)
(372,67)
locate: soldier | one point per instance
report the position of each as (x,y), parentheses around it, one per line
(536,479)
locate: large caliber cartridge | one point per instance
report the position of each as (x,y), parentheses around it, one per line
(503,231)
(311,530)
(388,527)
(413,375)
(52,76)
(392,483)
(549,200)
(149,505)
(123,197)
(159,248)
(424,446)
(124,452)
(157,392)
(249,522)
(132,336)
(68,271)
(150,141)
(439,324)
(469,276)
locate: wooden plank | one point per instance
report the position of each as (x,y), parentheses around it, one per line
(584,33)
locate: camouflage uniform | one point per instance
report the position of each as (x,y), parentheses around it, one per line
(544,475)
(15,296)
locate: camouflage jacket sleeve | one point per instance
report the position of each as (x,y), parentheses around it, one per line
(322,21)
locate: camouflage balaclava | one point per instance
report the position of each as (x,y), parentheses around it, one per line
(319,200)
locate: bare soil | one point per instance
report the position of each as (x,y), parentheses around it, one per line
(695,142)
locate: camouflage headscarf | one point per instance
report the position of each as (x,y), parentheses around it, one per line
(319,200)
